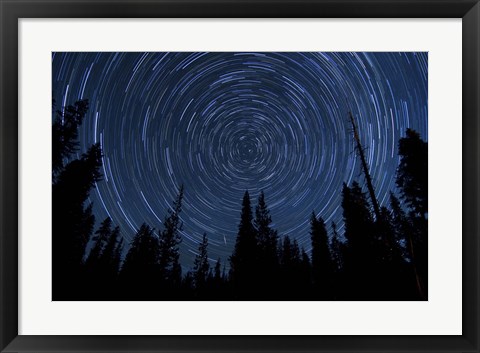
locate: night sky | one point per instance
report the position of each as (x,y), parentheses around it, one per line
(222,123)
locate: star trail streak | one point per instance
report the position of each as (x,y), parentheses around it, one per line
(221,123)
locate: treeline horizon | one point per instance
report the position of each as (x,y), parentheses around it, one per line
(382,256)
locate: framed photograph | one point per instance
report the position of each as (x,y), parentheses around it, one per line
(231,176)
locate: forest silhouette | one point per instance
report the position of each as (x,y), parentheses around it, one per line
(382,254)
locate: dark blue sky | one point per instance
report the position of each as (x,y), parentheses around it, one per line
(221,123)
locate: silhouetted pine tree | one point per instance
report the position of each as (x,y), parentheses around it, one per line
(267,240)
(291,270)
(412,179)
(65,134)
(111,256)
(243,262)
(401,225)
(139,273)
(306,288)
(169,255)
(386,234)
(187,287)
(360,259)
(322,265)
(94,271)
(336,249)
(117,255)
(392,268)
(412,174)
(217,273)
(404,237)
(201,267)
(101,239)
(110,264)
(72,221)
(103,262)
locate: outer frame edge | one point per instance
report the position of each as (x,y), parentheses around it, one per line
(10,12)
(471,158)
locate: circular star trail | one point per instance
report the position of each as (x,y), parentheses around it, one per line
(223,123)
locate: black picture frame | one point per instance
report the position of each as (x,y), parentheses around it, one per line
(12,10)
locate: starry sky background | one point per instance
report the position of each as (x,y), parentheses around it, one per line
(222,123)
